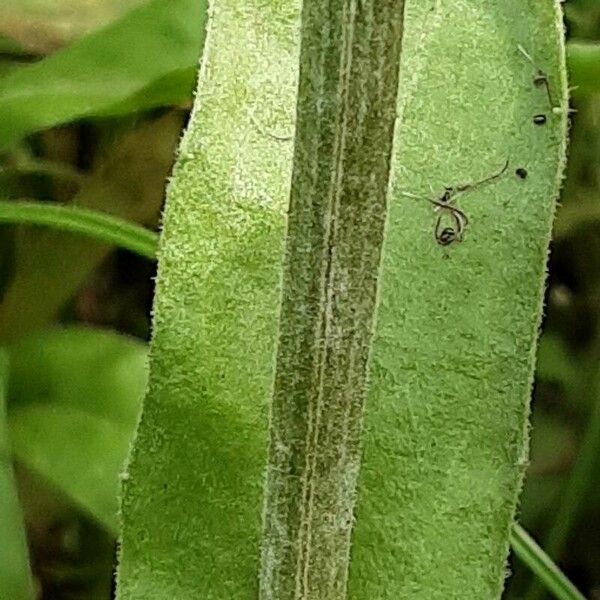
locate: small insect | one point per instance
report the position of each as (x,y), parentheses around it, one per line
(521,173)
(540,119)
(540,79)
(446,234)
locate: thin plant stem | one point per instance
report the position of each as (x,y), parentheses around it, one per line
(100,226)
(525,547)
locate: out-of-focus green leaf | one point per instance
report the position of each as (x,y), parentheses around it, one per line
(12,55)
(552,440)
(78,452)
(578,211)
(584,66)
(99,372)
(162,91)
(100,74)
(15,575)
(554,362)
(46,25)
(8,45)
(127,181)
(74,396)
(582,480)
(7,258)
(552,447)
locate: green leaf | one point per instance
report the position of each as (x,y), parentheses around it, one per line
(15,574)
(95,371)
(79,453)
(453,356)
(110,72)
(192,499)
(74,399)
(445,441)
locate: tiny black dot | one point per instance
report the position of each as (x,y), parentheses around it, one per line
(521,172)
(539,119)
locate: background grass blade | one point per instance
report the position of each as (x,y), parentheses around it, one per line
(538,561)
(100,226)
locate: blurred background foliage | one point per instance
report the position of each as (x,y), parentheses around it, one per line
(93,98)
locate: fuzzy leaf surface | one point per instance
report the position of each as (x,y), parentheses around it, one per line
(444,444)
